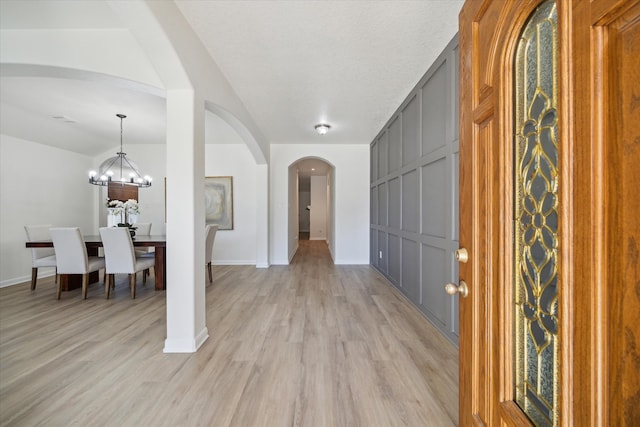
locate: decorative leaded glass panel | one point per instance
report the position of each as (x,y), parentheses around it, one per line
(536,218)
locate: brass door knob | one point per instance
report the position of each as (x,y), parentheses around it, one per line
(452,289)
(462,255)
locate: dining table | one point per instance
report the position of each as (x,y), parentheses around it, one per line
(93,242)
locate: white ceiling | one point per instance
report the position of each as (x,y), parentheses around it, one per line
(292,63)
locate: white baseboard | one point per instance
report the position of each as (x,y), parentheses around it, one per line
(14,281)
(18,280)
(234,262)
(186,345)
(351,262)
(202,337)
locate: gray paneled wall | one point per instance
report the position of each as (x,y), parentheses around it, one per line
(414,194)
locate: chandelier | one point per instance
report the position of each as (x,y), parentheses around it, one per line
(119,169)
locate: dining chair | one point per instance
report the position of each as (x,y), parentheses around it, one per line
(208,249)
(121,258)
(72,258)
(40,257)
(144,229)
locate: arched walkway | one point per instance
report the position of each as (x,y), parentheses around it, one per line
(311,201)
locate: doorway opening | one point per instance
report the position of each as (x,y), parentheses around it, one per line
(311,212)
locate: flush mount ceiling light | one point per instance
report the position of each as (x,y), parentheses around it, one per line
(119,169)
(322,128)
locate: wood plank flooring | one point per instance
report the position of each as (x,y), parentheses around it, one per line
(309,344)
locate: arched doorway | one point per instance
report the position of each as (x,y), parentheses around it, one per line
(311,202)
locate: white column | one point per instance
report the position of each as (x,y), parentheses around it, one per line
(186,323)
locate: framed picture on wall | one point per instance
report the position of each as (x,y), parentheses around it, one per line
(218,201)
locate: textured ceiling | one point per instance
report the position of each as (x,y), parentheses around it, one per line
(292,63)
(346,63)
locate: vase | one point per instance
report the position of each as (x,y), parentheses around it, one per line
(114,216)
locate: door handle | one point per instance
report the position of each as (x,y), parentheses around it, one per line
(462,255)
(452,289)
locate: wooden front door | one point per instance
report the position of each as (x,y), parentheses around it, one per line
(552,233)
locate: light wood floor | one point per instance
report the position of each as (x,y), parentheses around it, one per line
(309,344)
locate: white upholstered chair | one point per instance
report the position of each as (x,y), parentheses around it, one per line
(143,229)
(121,258)
(208,249)
(71,256)
(40,257)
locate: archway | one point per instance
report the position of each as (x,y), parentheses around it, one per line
(311,203)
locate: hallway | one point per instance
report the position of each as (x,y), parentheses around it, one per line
(306,344)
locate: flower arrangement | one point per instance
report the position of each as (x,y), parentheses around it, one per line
(115,204)
(123,210)
(132,207)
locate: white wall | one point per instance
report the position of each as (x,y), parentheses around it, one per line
(318,222)
(293,231)
(331,226)
(351,182)
(237,246)
(39,185)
